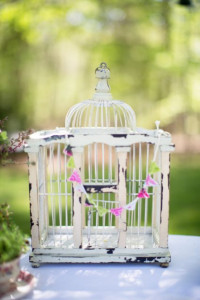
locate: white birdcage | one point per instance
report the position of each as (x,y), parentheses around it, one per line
(104,217)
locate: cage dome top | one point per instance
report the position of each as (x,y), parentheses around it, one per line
(101,112)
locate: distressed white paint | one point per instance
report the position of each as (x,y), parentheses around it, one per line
(79,140)
(98,259)
(156,197)
(164,198)
(104,190)
(33,194)
(83,196)
(122,194)
(100,252)
(77,208)
(167,148)
(77,235)
(42,189)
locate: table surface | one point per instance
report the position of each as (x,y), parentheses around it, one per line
(181,280)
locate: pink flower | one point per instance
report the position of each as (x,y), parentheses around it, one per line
(143,194)
(150,181)
(116,211)
(75,177)
(68,150)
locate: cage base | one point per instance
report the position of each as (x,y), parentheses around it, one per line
(101,239)
(110,255)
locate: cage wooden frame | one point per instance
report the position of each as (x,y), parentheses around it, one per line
(122,249)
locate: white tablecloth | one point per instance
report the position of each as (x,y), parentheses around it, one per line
(180,281)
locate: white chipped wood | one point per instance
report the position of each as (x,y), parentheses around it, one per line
(92,253)
(58,239)
(46,208)
(41,189)
(77,205)
(106,241)
(156,198)
(97,136)
(71,255)
(33,194)
(43,199)
(102,242)
(116,194)
(106,258)
(164,199)
(83,195)
(122,169)
(167,148)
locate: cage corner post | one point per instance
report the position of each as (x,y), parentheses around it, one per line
(156,203)
(33,197)
(42,197)
(122,193)
(164,199)
(77,200)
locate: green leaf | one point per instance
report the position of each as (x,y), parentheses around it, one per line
(90,200)
(3,136)
(102,210)
(153,168)
(71,163)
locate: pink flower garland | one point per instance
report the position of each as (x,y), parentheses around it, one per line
(75,177)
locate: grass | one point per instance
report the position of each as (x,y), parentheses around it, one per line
(184,195)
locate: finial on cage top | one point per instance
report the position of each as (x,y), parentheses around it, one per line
(102,71)
(102,90)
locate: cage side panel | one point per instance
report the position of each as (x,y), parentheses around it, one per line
(59,197)
(99,231)
(33,193)
(140,219)
(164,199)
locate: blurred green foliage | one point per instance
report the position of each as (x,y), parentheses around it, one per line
(49,50)
(12,241)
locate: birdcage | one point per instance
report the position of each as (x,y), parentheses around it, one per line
(99,187)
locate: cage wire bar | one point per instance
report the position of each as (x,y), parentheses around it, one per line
(112,156)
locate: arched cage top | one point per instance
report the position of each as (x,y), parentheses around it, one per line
(112,115)
(101,113)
